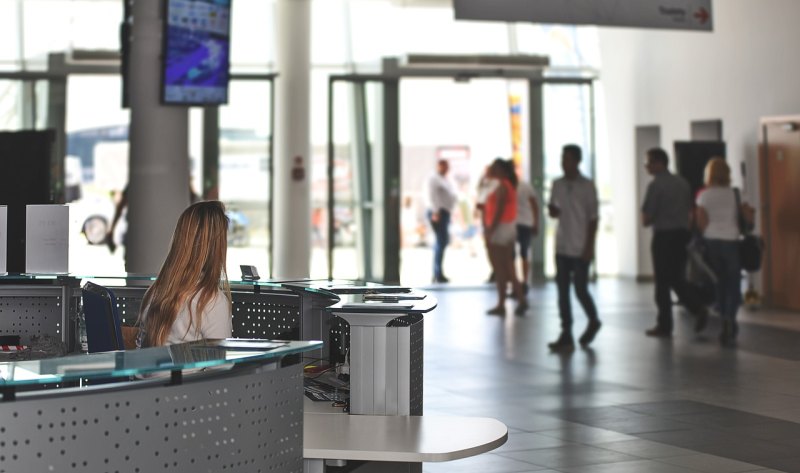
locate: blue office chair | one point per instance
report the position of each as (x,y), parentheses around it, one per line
(103,327)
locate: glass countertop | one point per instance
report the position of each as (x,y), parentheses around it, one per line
(384,302)
(31,276)
(123,364)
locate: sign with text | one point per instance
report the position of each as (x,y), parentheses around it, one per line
(47,239)
(668,14)
(3,237)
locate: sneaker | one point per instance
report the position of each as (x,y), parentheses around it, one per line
(564,343)
(497,311)
(658,332)
(522,307)
(590,333)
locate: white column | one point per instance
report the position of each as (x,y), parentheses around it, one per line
(158,189)
(292,229)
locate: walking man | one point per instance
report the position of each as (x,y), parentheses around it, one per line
(667,208)
(441,198)
(573,201)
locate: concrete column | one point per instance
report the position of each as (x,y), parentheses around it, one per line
(292,230)
(158,190)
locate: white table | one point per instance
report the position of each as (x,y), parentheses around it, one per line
(398,442)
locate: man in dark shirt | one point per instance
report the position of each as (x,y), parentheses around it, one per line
(667,208)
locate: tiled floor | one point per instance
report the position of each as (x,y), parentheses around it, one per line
(628,404)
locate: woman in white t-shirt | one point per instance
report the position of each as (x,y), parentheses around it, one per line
(191,298)
(718,219)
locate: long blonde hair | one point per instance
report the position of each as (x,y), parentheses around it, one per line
(194,268)
(717,173)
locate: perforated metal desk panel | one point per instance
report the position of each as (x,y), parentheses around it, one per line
(38,305)
(248,418)
(49,305)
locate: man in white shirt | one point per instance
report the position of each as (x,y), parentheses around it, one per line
(573,201)
(527,226)
(441,199)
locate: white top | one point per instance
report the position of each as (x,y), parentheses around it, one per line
(525,193)
(216,322)
(399,438)
(486,186)
(441,195)
(577,200)
(723,216)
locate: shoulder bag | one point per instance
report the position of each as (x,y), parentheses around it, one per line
(751,246)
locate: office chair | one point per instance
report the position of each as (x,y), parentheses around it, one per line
(103,327)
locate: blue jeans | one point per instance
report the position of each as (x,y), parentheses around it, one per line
(723,256)
(441,229)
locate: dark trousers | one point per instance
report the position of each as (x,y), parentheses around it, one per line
(442,233)
(570,269)
(669,264)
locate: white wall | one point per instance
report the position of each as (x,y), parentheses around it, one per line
(747,68)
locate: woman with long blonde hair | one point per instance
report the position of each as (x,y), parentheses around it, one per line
(719,219)
(191,298)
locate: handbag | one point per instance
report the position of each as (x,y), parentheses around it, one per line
(699,274)
(751,247)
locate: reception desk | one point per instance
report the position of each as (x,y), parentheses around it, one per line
(152,410)
(184,408)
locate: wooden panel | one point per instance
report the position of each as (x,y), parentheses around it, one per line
(781,188)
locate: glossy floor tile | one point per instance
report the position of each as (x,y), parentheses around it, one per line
(627,404)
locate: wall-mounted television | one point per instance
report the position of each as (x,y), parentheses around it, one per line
(196,52)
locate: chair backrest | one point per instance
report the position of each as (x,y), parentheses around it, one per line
(103,327)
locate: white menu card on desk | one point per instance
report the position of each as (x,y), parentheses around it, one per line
(3,237)
(47,239)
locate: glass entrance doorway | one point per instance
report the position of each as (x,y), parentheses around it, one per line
(380,225)
(467,124)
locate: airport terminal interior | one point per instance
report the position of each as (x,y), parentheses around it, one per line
(325,127)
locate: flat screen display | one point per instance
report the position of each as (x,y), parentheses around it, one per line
(196,53)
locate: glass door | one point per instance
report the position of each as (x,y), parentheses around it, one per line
(362,214)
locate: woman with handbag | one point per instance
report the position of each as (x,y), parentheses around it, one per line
(719,217)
